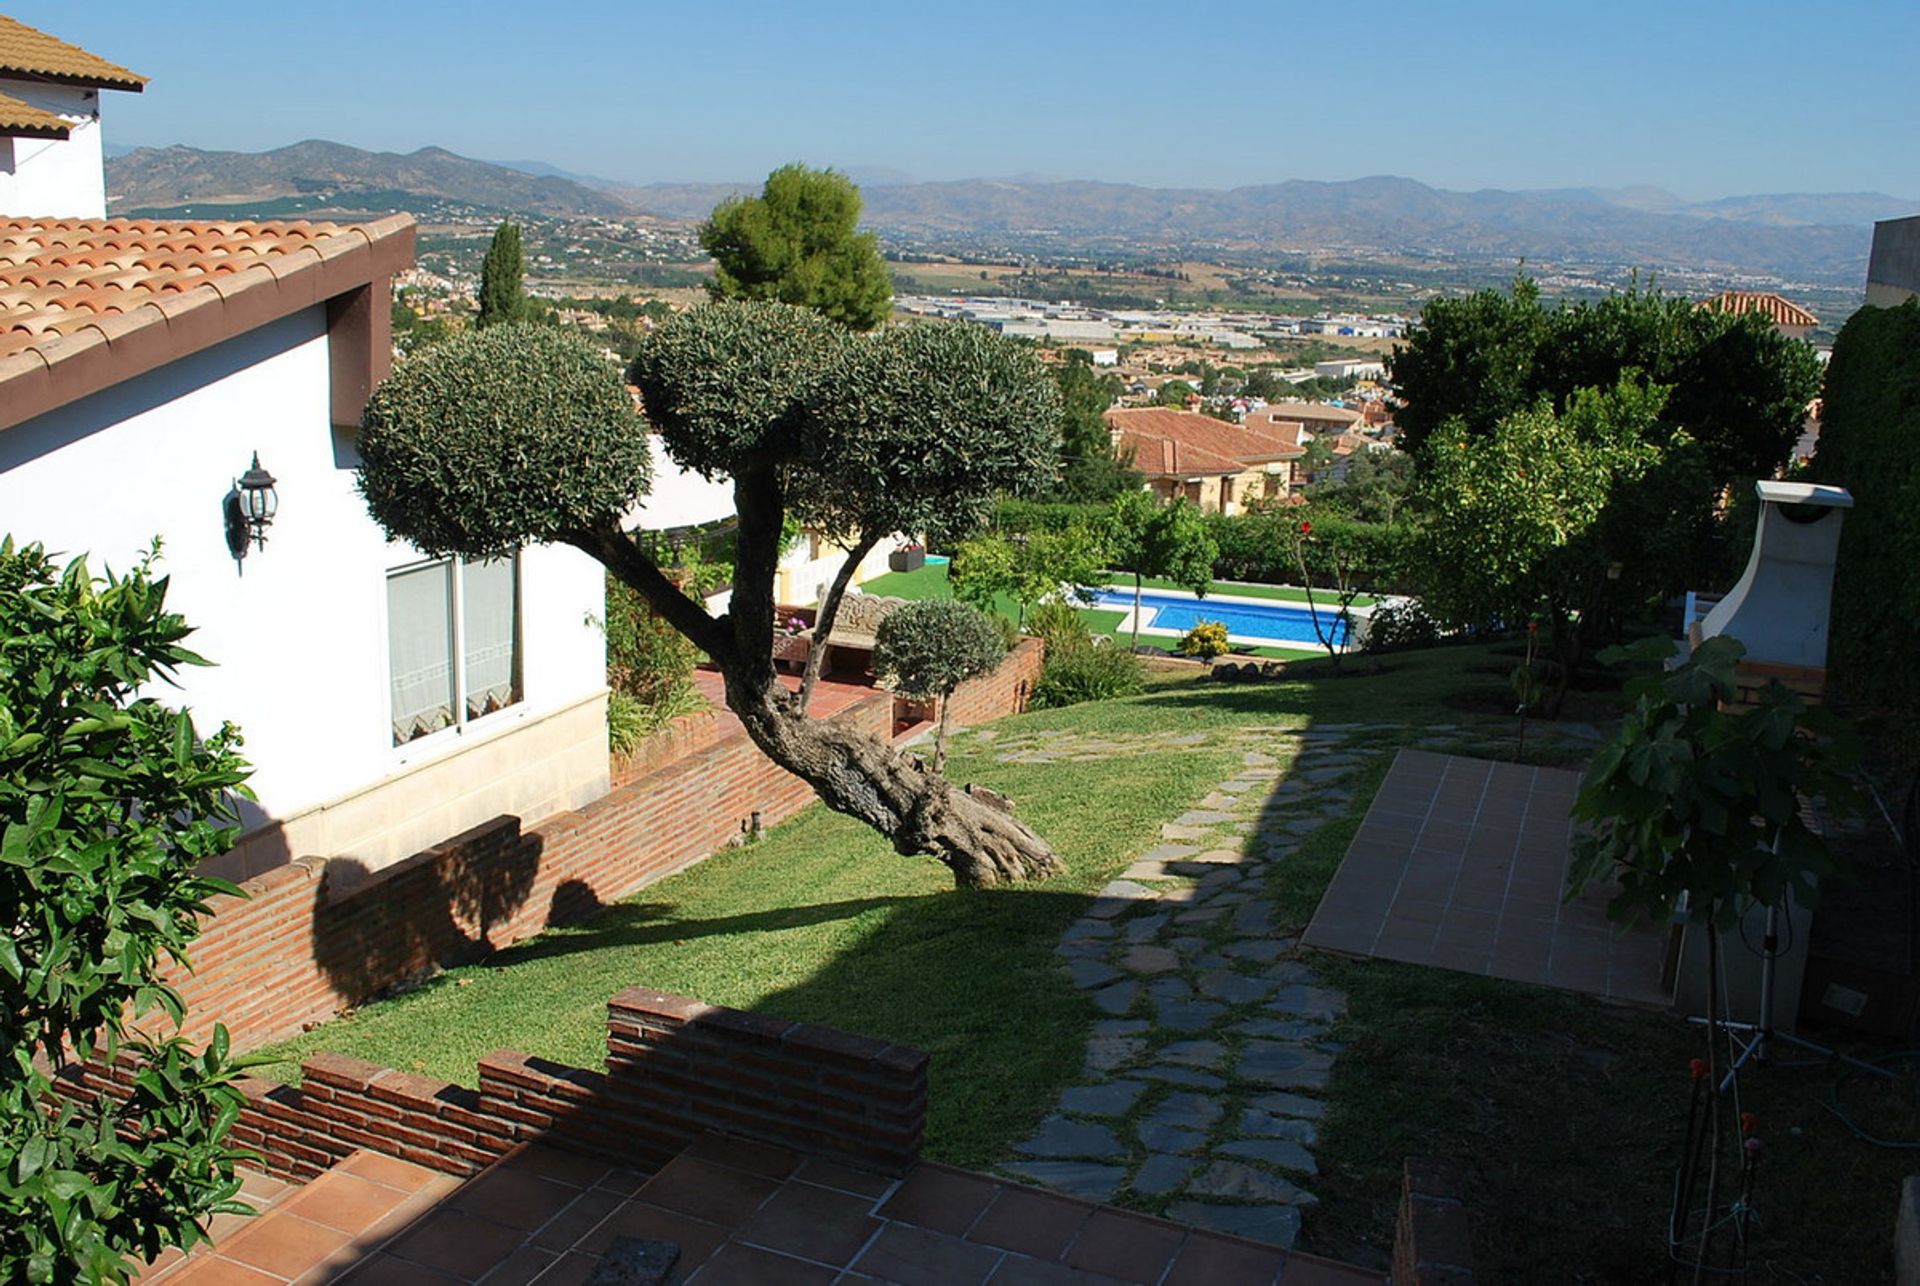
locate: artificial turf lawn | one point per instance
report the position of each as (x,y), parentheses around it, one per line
(1565,1114)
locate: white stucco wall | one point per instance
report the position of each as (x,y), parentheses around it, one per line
(679,498)
(58,178)
(298,630)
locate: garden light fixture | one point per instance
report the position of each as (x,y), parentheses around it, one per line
(257,503)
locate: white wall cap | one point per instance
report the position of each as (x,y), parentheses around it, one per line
(1803,493)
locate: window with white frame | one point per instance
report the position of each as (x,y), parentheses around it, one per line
(453,643)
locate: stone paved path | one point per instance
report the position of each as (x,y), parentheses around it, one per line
(1203,1081)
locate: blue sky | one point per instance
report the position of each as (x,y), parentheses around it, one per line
(1700,97)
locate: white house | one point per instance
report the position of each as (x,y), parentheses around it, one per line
(51,161)
(389,701)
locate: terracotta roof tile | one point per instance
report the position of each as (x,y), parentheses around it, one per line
(29,52)
(1777,309)
(66,284)
(1169,443)
(23,120)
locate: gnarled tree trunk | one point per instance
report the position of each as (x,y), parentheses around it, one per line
(973,833)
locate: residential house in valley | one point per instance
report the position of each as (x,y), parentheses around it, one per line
(1787,317)
(1221,467)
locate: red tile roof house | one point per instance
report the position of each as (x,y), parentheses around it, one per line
(389,700)
(1787,317)
(1219,466)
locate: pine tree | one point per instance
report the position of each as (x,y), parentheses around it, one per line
(501,298)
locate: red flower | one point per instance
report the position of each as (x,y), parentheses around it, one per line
(1698,1067)
(1533,627)
(1306,529)
(1747,1122)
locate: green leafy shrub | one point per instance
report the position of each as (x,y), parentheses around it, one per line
(1060,624)
(627,724)
(109,800)
(1206,640)
(1253,547)
(1087,672)
(1017,516)
(1401,625)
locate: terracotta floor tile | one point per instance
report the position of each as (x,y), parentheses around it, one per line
(763,1159)
(1205,1261)
(939,1198)
(717,1193)
(581,1217)
(344,1201)
(386,1270)
(1032,1223)
(557,1164)
(1018,1270)
(391,1171)
(212,1270)
(623,1181)
(845,1178)
(521,1267)
(515,1197)
(813,1223)
(738,1265)
(697,1238)
(1123,1245)
(284,1244)
(571,1270)
(918,1257)
(456,1242)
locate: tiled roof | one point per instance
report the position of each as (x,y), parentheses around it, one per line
(28,52)
(1777,309)
(22,120)
(1309,412)
(1169,443)
(87,302)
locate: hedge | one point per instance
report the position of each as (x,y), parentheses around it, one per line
(1870,444)
(1251,549)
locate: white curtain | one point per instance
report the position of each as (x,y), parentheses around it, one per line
(420,650)
(489,624)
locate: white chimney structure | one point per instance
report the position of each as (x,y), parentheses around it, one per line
(1779,607)
(52,164)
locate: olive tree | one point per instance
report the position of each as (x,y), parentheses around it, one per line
(518,435)
(927,649)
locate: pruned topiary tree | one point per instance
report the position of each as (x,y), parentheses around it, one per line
(521,434)
(927,649)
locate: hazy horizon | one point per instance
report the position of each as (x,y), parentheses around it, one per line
(1703,101)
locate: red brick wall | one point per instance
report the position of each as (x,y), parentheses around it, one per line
(318,936)
(676,1069)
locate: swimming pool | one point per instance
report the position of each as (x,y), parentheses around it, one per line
(1260,622)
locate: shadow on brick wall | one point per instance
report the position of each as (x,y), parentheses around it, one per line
(442,907)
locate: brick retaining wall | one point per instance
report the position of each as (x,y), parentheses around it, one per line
(318,935)
(676,1069)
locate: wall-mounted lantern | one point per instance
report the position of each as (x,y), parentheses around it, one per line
(252,508)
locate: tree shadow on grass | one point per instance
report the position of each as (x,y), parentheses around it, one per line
(639,924)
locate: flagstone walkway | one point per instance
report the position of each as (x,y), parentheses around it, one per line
(1203,1084)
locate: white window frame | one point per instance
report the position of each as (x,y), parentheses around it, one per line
(462,725)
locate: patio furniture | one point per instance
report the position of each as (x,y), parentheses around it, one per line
(853,629)
(908,558)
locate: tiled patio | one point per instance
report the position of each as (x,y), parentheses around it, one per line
(741,1213)
(1462,864)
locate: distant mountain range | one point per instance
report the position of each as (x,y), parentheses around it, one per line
(1818,236)
(161,177)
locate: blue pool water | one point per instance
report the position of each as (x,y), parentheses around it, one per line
(1246,622)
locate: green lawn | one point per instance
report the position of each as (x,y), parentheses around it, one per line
(930,581)
(1564,1113)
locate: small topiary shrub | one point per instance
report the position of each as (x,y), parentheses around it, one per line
(927,649)
(1086,672)
(1206,640)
